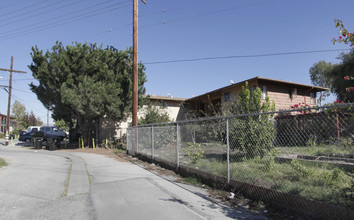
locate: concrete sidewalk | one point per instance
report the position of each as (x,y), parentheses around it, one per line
(122,190)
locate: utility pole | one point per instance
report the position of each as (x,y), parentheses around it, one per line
(135,61)
(47,117)
(11,70)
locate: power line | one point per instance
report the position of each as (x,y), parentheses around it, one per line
(130,24)
(208,13)
(244,56)
(178,19)
(18,80)
(10,5)
(159,12)
(21,90)
(38,14)
(58,23)
(43,27)
(60,17)
(30,6)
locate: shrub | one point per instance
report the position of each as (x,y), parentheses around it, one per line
(194,152)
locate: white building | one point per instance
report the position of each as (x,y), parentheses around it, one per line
(168,104)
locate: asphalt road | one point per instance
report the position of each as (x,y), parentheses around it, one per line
(40,184)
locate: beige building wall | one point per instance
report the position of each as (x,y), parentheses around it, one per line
(169,105)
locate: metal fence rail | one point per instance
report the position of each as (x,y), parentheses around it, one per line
(307,153)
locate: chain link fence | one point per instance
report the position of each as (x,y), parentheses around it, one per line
(301,158)
(110,135)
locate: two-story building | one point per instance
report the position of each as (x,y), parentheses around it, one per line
(3,123)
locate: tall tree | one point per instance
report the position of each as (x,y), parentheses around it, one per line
(18,110)
(341,87)
(333,75)
(82,83)
(320,76)
(24,119)
(30,119)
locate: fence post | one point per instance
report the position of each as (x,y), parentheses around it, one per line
(228,151)
(178,146)
(127,139)
(137,141)
(152,143)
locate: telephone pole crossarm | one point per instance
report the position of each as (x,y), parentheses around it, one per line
(11,70)
(14,71)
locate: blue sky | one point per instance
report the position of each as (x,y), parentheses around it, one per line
(177,30)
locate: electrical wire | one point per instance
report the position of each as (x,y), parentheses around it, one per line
(39,14)
(56,24)
(130,24)
(19,80)
(10,5)
(160,23)
(159,12)
(61,22)
(180,19)
(244,56)
(207,13)
(30,6)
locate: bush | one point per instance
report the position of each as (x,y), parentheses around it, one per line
(253,134)
(194,152)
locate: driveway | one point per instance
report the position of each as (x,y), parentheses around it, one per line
(39,184)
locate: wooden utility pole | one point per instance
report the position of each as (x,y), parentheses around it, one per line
(11,70)
(135,61)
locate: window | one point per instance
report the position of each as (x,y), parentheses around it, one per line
(313,98)
(264,92)
(164,104)
(292,93)
(253,88)
(201,110)
(227,96)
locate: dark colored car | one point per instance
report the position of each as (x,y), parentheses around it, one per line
(52,132)
(26,137)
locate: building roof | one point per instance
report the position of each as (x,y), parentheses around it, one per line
(166,98)
(316,88)
(11,117)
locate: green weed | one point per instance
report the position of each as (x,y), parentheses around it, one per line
(194,152)
(2,162)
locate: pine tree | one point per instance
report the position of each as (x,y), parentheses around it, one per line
(82,83)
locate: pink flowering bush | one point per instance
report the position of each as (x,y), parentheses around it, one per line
(345,36)
(338,102)
(302,106)
(349,78)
